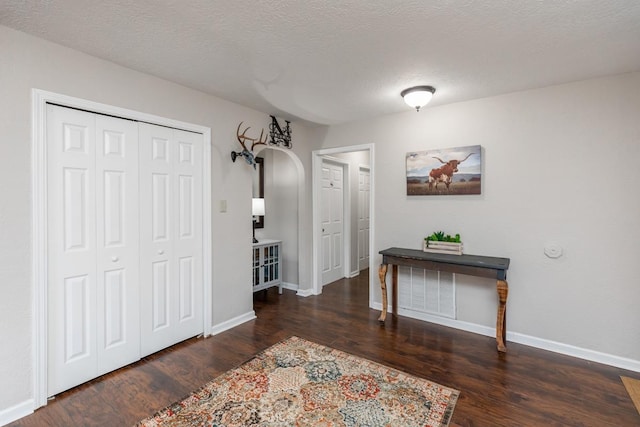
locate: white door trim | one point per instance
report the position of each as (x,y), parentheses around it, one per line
(316,176)
(39,99)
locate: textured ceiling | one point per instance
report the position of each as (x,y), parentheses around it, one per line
(330,61)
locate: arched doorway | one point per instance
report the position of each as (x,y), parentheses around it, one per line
(284,200)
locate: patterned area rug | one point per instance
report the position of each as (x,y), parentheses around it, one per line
(300,383)
(633,388)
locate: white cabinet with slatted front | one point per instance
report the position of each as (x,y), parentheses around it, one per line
(267,265)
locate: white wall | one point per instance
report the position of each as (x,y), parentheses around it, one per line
(281,201)
(560,165)
(28,62)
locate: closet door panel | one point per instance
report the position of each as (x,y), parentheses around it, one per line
(71,225)
(171,236)
(156,249)
(92,246)
(118,296)
(188,231)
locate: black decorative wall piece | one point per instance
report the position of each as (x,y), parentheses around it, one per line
(280,136)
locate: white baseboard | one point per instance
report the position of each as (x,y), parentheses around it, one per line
(231,323)
(16,412)
(305,292)
(516,337)
(570,350)
(290,286)
(354,274)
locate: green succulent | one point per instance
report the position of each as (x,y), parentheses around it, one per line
(439,236)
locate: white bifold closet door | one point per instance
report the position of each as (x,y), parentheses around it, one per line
(124,242)
(93,266)
(171,236)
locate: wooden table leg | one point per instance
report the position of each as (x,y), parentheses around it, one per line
(501,323)
(394,290)
(382,274)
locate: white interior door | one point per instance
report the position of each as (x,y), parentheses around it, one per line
(332,222)
(92,246)
(363,217)
(171,236)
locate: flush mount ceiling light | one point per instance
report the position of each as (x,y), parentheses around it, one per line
(418,96)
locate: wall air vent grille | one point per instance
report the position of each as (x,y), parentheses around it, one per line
(425,291)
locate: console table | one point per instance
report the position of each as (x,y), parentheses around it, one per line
(472,265)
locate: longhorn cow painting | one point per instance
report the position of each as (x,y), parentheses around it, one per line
(446,171)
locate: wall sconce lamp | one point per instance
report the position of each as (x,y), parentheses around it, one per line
(257,209)
(418,96)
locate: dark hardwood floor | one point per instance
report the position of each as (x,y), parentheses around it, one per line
(525,387)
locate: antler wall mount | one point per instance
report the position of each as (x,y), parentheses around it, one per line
(243,139)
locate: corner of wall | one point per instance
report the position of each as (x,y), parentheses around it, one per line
(232,323)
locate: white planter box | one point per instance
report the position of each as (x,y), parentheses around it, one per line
(442,247)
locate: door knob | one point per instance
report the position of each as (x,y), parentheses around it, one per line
(160,252)
(114,258)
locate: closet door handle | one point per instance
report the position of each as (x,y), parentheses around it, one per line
(160,252)
(114,259)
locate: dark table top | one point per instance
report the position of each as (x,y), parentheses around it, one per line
(468,260)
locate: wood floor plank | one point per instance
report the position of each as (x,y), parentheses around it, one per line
(525,387)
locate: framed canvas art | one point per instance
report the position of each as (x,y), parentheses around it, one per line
(447,171)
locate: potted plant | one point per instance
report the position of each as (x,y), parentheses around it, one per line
(441,243)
